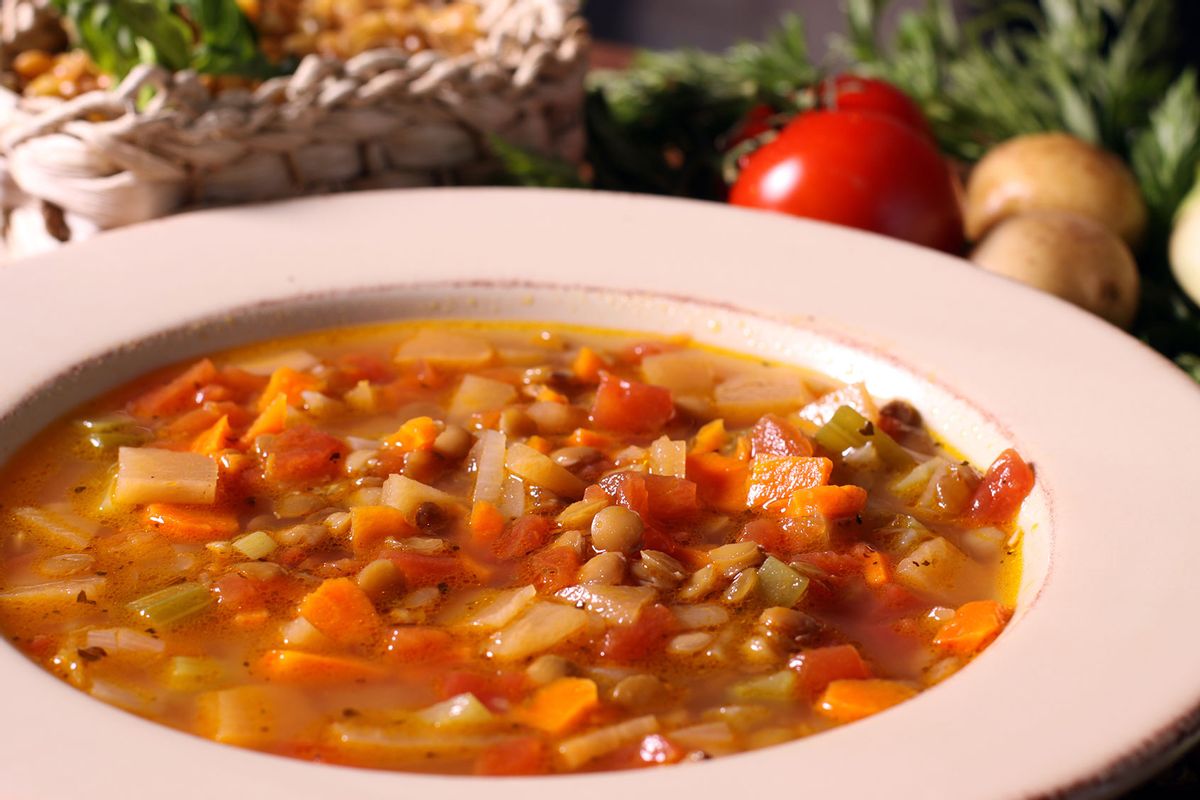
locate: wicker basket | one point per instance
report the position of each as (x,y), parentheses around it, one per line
(385,118)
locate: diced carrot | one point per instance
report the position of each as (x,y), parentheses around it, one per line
(250,620)
(774,479)
(710,437)
(241,382)
(528,755)
(588,365)
(540,443)
(341,611)
(272,419)
(630,406)
(972,628)
(830,502)
(299,455)
(418,433)
(289,383)
(176,395)
(485,420)
(850,700)
(816,668)
(370,525)
(418,644)
(190,424)
(314,669)
(551,568)
(215,439)
(548,395)
(773,435)
(528,533)
(586,437)
(559,706)
(720,480)
(743,449)
(875,566)
(184,523)
(486,524)
(420,569)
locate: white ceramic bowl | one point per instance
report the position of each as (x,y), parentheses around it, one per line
(1095,679)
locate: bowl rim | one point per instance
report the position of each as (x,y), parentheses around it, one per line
(576,213)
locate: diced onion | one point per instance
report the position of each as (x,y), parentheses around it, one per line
(148,475)
(855,395)
(125,640)
(617,605)
(488,458)
(407,495)
(57,525)
(579,750)
(298,360)
(541,628)
(668,458)
(459,713)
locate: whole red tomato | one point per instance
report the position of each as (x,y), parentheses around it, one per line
(853,93)
(863,170)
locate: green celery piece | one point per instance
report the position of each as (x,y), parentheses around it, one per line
(255,545)
(173,604)
(194,673)
(776,687)
(847,428)
(780,584)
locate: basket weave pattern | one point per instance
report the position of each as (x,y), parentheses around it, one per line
(384,118)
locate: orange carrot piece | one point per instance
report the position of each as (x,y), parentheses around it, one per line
(418,433)
(177,394)
(486,524)
(875,566)
(587,365)
(586,437)
(972,628)
(215,439)
(850,700)
(272,419)
(540,443)
(548,395)
(773,479)
(720,480)
(184,523)
(559,705)
(831,502)
(289,383)
(370,525)
(710,437)
(341,611)
(314,669)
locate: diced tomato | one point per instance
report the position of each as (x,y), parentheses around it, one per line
(768,534)
(241,383)
(835,564)
(499,691)
(177,394)
(421,645)
(773,435)
(525,756)
(654,538)
(642,639)
(631,407)
(658,497)
(551,569)
(996,501)
(355,367)
(41,645)
(420,569)
(526,534)
(818,667)
(892,601)
(656,749)
(627,489)
(303,454)
(237,593)
(636,352)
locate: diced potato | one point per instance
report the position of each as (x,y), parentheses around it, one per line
(618,605)
(541,628)
(745,397)
(148,475)
(684,372)
(938,569)
(251,716)
(579,750)
(488,458)
(475,395)
(443,348)
(460,713)
(714,738)
(56,525)
(668,458)
(403,740)
(540,470)
(56,594)
(855,395)
(407,495)
(501,609)
(298,360)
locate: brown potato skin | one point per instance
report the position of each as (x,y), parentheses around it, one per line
(1069,256)
(1053,172)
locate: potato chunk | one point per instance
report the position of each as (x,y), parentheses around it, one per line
(148,475)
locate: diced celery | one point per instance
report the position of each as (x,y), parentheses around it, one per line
(114,430)
(173,604)
(848,428)
(255,545)
(780,584)
(776,687)
(194,673)
(461,712)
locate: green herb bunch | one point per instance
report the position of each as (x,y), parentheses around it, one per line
(209,36)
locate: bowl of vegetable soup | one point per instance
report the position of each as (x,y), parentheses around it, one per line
(396,492)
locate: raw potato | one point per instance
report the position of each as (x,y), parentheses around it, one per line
(1069,256)
(1053,172)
